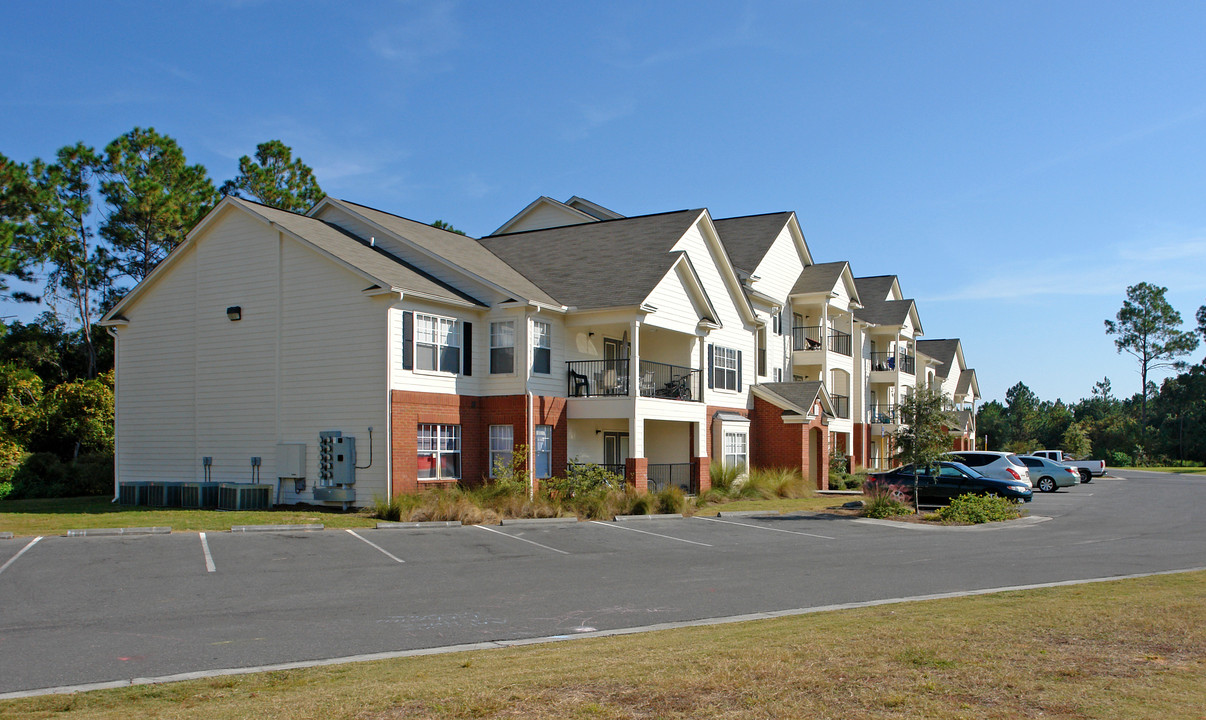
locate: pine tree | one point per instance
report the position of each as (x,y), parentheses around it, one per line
(275,178)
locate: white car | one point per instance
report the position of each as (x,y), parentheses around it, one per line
(1002,465)
(1050,474)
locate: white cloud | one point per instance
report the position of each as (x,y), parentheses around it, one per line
(421,38)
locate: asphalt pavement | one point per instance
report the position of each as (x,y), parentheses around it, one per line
(84,611)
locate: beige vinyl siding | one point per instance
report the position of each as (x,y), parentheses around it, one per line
(156,392)
(733,334)
(676,310)
(309,354)
(547,216)
(780,267)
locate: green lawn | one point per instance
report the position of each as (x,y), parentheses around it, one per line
(1130,650)
(57,516)
(1180,470)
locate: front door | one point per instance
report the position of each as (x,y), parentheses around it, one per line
(615,451)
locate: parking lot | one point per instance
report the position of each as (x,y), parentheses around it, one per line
(96,609)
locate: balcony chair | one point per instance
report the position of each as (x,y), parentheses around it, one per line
(581,384)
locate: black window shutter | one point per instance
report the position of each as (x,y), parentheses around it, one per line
(467,347)
(711,365)
(738,371)
(408,340)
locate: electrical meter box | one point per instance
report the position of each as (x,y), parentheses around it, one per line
(291,460)
(336,458)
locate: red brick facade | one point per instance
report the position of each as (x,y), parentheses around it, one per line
(474,415)
(775,443)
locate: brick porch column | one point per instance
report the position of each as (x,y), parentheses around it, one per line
(701,473)
(636,472)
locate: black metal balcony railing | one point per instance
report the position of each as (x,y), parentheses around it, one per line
(882,414)
(588,378)
(883,361)
(841,406)
(839,342)
(806,337)
(908,363)
(662,476)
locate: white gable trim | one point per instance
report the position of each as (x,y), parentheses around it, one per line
(727,272)
(545,200)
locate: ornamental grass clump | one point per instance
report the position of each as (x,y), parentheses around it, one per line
(977,509)
(885,500)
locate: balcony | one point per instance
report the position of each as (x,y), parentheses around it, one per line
(882,414)
(813,337)
(609,378)
(889,361)
(661,476)
(841,406)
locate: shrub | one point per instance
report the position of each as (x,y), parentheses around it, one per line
(583,479)
(670,500)
(43,475)
(838,465)
(723,477)
(6,489)
(884,500)
(976,509)
(1120,459)
(773,483)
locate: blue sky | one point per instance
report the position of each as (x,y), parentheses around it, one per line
(1018,164)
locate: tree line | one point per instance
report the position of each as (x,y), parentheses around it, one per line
(86,226)
(1161,424)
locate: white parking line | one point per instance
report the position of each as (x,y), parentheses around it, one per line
(760,527)
(13,559)
(646,532)
(209,559)
(370,542)
(497,532)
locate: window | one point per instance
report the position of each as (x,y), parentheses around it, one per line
(542,347)
(543,451)
(762,352)
(439,452)
(501,443)
(724,368)
(437,344)
(777,323)
(735,450)
(778,374)
(502,348)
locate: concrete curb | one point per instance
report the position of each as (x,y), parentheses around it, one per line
(747,513)
(6,536)
(418,525)
(102,532)
(539,521)
(839,492)
(664,516)
(276,528)
(1025,522)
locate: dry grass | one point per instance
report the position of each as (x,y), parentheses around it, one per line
(1130,649)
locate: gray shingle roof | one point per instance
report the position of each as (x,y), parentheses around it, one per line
(610,263)
(462,251)
(821,277)
(966,378)
(747,239)
(893,312)
(794,394)
(373,261)
(875,288)
(941,350)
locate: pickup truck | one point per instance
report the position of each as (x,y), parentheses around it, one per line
(1088,469)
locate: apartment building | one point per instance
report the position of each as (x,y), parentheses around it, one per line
(654,345)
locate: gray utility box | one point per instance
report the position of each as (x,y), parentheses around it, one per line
(291,460)
(335,494)
(336,459)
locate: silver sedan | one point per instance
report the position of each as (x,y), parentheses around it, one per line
(1048,475)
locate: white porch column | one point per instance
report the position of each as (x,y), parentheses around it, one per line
(634,362)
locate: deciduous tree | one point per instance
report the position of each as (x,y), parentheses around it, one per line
(1149,329)
(922,437)
(275,178)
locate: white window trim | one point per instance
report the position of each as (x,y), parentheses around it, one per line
(514,349)
(548,338)
(441,435)
(457,335)
(496,449)
(716,369)
(732,446)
